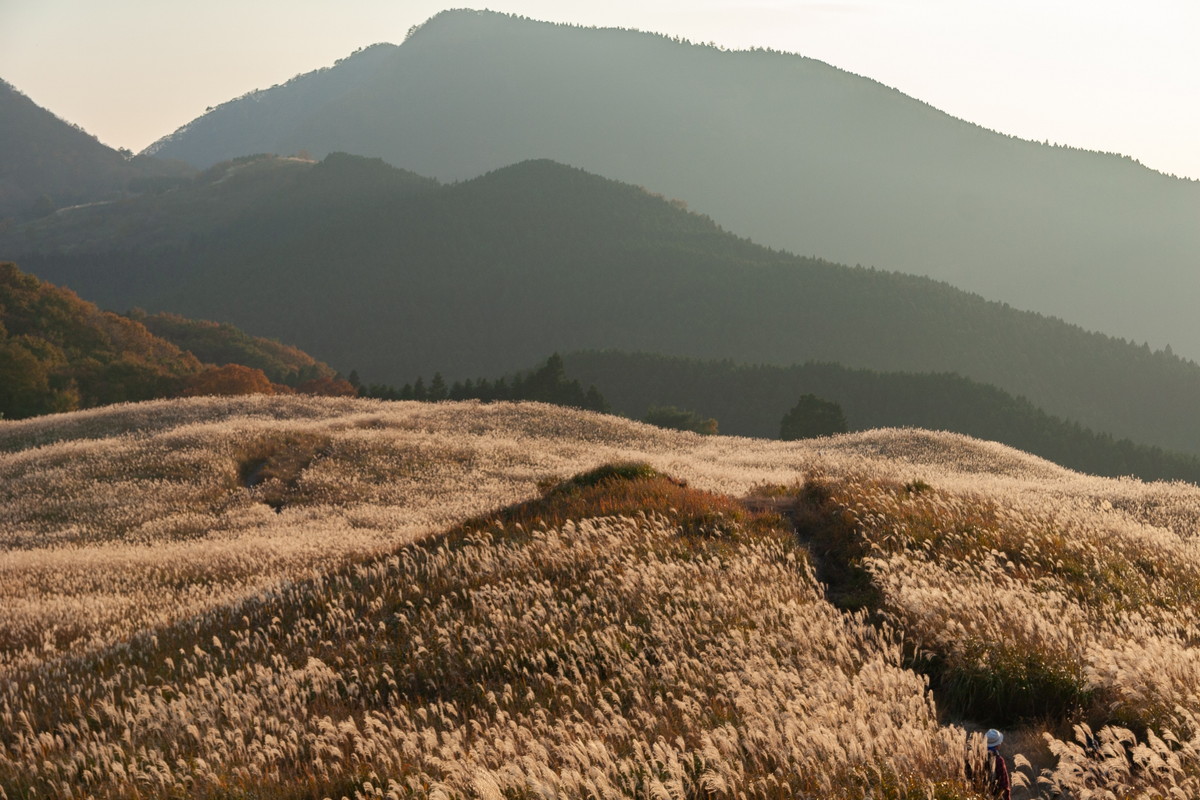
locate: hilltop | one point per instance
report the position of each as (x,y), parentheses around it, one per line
(296,597)
(784,149)
(393,275)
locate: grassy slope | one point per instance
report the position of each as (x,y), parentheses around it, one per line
(620,635)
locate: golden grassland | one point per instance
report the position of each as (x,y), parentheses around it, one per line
(306,598)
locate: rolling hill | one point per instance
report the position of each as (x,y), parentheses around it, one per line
(786,150)
(395,276)
(60,353)
(294,597)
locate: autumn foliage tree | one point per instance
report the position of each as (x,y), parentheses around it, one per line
(231,379)
(60,353)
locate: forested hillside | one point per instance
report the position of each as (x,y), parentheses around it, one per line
(46,163)
(60,353)
(221,343)
(751,400)
(784,149)
(486,276)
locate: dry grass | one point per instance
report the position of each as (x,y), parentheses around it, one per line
(299,597)
(1022,613)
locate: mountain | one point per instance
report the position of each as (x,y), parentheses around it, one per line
(786,150)
(268,190)
(407,277)
(751,400)
(47,164)
(60,353)
(312,597)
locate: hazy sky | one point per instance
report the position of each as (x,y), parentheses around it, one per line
(1105,75)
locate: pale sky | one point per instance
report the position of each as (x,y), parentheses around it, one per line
(1104,75)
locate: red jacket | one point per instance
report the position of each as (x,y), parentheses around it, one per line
(1001,782)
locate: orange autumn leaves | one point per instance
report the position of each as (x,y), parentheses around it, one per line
(235,379)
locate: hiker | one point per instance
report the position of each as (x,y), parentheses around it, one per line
(997,768)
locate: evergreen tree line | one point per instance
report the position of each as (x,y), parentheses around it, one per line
(546,384)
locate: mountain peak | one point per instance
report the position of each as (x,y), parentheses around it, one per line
(545,169)
(452,17)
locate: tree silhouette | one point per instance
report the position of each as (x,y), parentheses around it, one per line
(437,388)
(810,417)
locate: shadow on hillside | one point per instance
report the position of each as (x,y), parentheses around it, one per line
(1026,708)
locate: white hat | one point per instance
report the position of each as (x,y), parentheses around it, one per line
(994,738)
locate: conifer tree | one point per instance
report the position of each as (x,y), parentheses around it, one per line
(437,388)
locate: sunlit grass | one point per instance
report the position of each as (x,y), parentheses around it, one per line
(295,597)
(1020,612)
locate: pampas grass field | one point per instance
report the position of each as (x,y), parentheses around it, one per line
(296,597)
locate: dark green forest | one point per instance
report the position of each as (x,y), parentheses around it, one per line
(408,277)
(681,419)
(752,400)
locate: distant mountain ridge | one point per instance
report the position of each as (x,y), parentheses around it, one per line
(784,149)
(406,277)
(46,163)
